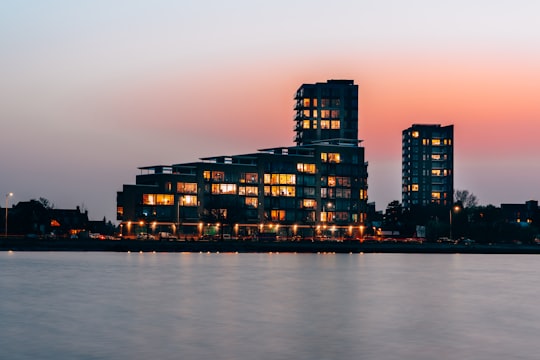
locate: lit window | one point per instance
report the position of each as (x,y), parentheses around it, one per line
(120,211)
(251,202)
(305,124)
(158,199)
(334,157)
(206,175)
(252,190)
(415,134)
(325,114)
(149,199)
(324,157)
(252,177)
(327,216)
(288,191)
(305,113)
(168,186)
(331,181)
(436,172)
(307,168)
(186,188)
(325,102)
(436,142)
(164,199)
(336,124)
(363,194)
(189,200)
(228,189)
(277,215)
(306,102)
(309,203)
(280,179)
(436,157)
(325,124)
(414,187)
(334,114)
(218,175)
(435,195)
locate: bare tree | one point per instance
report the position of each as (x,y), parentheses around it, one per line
(46,203)
(467,199)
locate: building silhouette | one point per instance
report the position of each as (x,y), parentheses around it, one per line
(427,165)
(315,188)
(326,111)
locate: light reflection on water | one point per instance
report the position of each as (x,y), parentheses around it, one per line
(268,306)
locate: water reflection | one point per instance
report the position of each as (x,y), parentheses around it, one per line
(268,306)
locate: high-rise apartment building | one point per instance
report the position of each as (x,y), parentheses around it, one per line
(326,111)
(318,187)
(428,165)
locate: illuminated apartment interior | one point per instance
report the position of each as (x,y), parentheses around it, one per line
(316,188)
(427,165)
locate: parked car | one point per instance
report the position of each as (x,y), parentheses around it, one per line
(167,236)
(145,236)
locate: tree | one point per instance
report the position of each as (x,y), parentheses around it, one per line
(46,203)
(467,199)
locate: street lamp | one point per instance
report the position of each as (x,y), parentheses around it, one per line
(362,227)
(452,210)
(7,197)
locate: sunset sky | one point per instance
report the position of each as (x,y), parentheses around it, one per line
(91,90)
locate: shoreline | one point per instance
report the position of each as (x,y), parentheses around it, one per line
(92,245)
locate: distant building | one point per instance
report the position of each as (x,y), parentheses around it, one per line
(32,217)
(527,213)
(318,186)
(427,165)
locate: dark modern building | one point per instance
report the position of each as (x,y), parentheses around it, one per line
(326,111)
(428,165)
(316,188)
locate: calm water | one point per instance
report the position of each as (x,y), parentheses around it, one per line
(268,306)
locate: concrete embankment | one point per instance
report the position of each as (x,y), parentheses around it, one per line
(23,244)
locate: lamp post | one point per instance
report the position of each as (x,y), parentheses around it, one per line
(452,210)
(6,224)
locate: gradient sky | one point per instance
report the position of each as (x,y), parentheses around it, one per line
(92,90)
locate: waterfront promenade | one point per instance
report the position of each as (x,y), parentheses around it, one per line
(24,244)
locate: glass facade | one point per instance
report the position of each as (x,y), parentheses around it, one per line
(315,183)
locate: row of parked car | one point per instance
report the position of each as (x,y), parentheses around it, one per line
(158,236)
